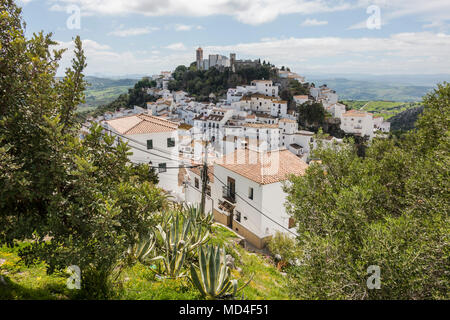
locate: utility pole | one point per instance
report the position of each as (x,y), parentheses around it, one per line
(204,177)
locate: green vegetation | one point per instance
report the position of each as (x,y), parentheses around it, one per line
(311,115)
(390,209)
(374,90)
(386,109)
(291,89)
(213,277)
(139,282)
(200,84)
(101,91)
(136,96)
(405,120)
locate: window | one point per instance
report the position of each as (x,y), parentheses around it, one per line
(162,167)
(149,144)
(197,184)
(170,142)
(237,216)
(250,193)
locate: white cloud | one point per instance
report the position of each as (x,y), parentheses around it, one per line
(102,59)
(132,31)
(252,12)
(183,27)
(421,52)
(176,46)
(402,53)
(431,11)
(313,23)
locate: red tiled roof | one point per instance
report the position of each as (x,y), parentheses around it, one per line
(263,167)
(141,123)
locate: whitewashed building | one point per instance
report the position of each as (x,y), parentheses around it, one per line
(153,141)
(358,123)
(246,182)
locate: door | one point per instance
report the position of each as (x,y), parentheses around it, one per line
(231,189)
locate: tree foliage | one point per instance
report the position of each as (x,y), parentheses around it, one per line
(201,83)
(311,115)
(78,202)
(390,208)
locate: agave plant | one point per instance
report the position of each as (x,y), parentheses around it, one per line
(196,215)
(177,237)
(182,230)
(142,248)
(173,255)
(213,278)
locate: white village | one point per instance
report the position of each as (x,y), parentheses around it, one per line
(250,141)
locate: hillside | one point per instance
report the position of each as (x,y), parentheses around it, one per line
(101,91)
(405,120)
(373,90)
(386,109)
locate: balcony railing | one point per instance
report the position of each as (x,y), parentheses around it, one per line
(228,195)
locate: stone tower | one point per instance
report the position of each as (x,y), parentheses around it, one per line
(232,62)
(199,58)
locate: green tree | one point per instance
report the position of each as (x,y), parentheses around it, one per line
(78,202)
(389,209)
(311,115)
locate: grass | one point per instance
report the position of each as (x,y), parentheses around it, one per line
(101,96)
(30,282)
(139,282)
(386,109)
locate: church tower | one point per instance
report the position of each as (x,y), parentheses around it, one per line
(233,62)
(199,58)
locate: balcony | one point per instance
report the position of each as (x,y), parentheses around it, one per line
(228,194)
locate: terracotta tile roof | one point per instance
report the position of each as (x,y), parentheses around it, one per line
(263,167)
(261,125)
(197,171)
(287,120)
(185,126)
(279,101)
(141,123)
(355,113)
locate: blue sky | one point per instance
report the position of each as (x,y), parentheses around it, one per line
(310,36)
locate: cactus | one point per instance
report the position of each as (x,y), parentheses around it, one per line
(213,278)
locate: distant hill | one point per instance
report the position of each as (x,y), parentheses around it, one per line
(405,120)
(386,109)
(373,90)
(103,91)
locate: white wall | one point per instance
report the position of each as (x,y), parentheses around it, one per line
(274,209)
(167,180)
(253,221)
(194,195)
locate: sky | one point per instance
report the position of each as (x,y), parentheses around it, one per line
(125,37)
